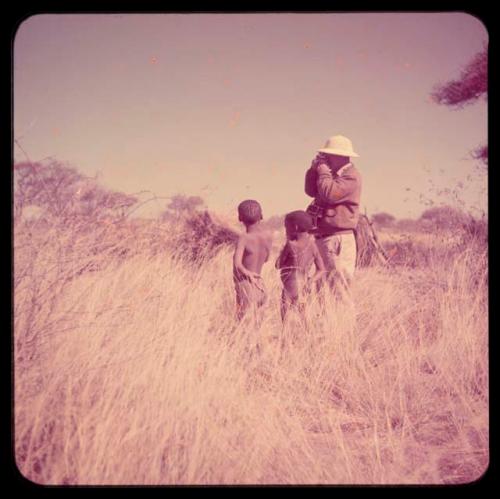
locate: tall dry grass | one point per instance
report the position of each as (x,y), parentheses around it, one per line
(130,369)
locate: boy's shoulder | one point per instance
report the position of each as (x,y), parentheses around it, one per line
(260,236)
(268,234)
(264,234)
(242,240)
(291,247)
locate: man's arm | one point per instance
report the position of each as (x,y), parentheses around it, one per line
(310,182)
(334,190)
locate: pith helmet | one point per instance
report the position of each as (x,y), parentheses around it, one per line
(339,145)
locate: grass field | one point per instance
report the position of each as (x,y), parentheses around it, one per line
(130,369)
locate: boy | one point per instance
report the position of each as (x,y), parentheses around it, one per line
(252,251)
(295,260)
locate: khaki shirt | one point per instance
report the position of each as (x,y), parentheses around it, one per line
(339,194)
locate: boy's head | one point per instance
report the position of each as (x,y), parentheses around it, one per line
(249,212)
(298,222)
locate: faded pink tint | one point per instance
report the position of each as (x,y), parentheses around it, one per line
(153,102)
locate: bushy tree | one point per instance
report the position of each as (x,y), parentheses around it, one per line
(59,190)
(181,205)
(96,200)
(274,222)
(407,225)
(50,186)
(383,219)
(443,217)
(471,85)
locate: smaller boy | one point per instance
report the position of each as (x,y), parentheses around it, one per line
(295,260)
(252,251)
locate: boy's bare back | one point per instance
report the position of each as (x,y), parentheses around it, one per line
(255,248)
(295,261)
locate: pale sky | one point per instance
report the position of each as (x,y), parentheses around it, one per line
(234,106)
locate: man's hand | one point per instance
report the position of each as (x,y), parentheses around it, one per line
(316,161)
(323,168)
(319,160)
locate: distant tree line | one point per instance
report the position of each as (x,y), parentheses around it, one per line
(437,217)
(58,190)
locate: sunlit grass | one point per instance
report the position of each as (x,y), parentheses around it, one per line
(134,371)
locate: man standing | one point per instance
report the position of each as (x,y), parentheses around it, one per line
(335,184)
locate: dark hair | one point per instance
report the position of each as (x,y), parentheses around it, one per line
(250,211)
(300,220)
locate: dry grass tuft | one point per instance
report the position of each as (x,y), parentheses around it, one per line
(130,368)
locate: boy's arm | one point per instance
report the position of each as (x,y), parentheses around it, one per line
(238,259)
(277,265)
(282,257)
(269,245)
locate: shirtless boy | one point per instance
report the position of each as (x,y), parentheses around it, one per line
(252,251)
(295,260)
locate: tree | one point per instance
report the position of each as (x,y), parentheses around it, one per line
(61,191)
(202,237)
(97,200)
(50,186)
(467,89)
(181,205)
(407,225)
(383,219)
(274,222)
(443,217)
